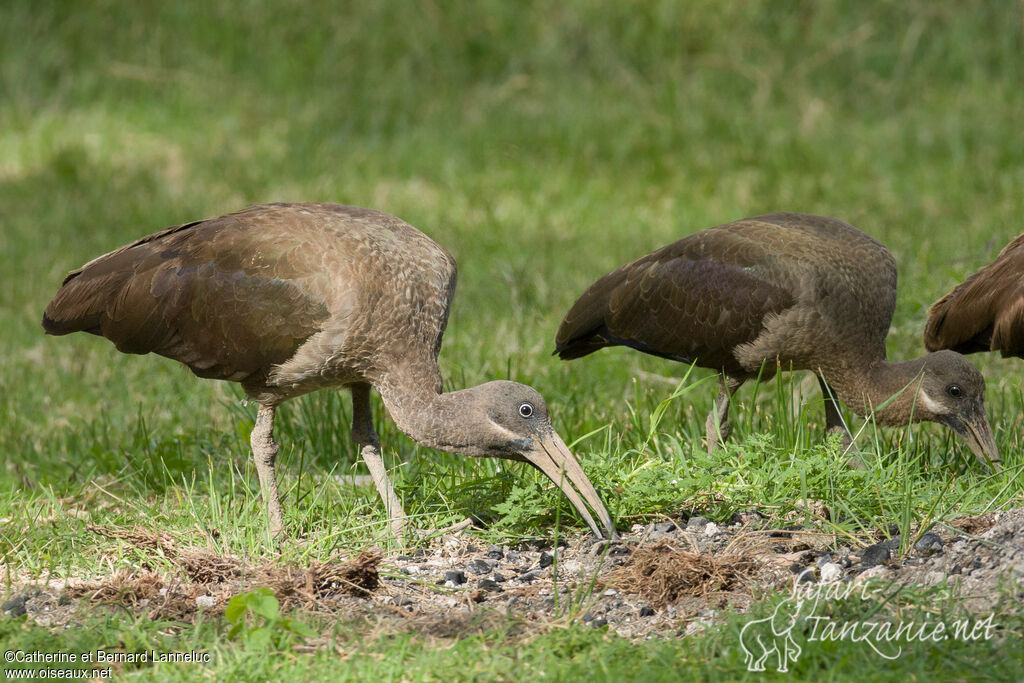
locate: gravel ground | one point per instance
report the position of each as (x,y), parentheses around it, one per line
(662,579)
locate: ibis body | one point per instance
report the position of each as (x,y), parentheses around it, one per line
(290,298)
(783,291)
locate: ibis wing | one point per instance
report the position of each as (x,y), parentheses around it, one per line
(693,300)
(986,311)
(227,297)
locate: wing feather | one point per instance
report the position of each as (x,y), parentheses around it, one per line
(211,294)
(986,311)
(694,300)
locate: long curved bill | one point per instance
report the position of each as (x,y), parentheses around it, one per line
(974,429)
(552,457)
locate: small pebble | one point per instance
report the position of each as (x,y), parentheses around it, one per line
(455,576)
(546,560)
(695,627)
(499,577)
(696,523)
(929,544)
(206,601)
(490,585)
(15,607)
(646,611)
(599,622)
(665,527)
(876,554)
(830,572)
(531,575)
(711,529)
(479,566)
(871,573)
(495,552)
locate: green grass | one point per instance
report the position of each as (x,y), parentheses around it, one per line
(560,654)
(543,145)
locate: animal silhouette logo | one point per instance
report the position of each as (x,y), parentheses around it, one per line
(774,634)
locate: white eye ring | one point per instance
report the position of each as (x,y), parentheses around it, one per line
(525,410)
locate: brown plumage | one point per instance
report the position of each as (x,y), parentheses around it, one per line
(779,292)
(986,312)
(290,298)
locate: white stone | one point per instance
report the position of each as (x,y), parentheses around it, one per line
(206,601)
(695,627)
(830,572)
(871,573)
(711,529)
(572,567)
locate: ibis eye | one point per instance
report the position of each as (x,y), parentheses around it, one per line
(954,390)
(525,410)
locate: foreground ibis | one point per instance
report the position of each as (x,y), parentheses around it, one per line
(986,311)
(290,298)
(785,291)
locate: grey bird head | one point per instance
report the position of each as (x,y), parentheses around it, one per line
(520,429)
(952,392)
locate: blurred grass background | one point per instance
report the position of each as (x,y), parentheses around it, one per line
(543,144)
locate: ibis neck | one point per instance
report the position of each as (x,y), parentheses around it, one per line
(444,421)
(886,390)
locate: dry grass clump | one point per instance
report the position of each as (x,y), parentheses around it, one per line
(203,572)
(664,573)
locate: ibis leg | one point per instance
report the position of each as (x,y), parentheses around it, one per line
(717,426)
(369,446)
(264,451)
